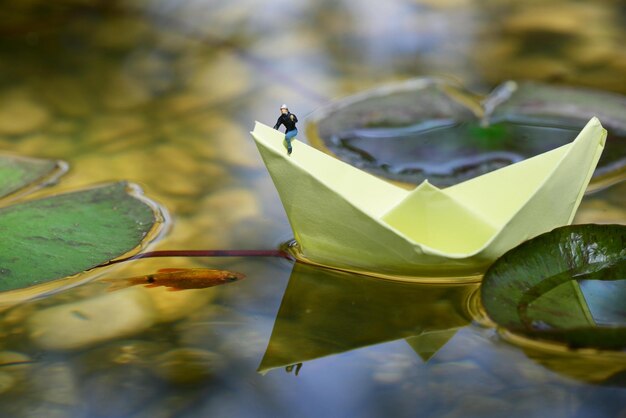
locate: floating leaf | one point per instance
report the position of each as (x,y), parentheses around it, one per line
(17,173)
(430,129)
(55,237)
(59,236)
(325,312)
(568,285)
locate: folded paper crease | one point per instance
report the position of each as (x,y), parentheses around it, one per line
(347,218)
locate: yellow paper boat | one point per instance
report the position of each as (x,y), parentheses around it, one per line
(346,218)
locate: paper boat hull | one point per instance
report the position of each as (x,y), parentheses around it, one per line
(346,218)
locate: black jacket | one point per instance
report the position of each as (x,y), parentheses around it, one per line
(288,119)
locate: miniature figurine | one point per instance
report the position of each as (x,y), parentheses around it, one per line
(289,120)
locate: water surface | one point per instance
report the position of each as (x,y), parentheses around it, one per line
(164,93)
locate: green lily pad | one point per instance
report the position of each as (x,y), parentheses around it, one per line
(435,130)
(567,286)
(59,236)
(17,173)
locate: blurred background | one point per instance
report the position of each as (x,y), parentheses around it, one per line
(164,93)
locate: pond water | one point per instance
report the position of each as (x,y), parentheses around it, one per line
(163,93)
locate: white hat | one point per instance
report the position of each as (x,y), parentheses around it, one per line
(284,106)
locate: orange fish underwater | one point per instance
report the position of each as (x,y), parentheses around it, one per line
(179,279)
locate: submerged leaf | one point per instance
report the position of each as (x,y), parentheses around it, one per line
(561,108)
(62,235)
(568,285)
(429,129)
(396,131)
(17,173)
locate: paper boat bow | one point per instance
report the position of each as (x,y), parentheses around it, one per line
(346,218)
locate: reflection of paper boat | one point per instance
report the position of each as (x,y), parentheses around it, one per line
(346,218)
(325,312)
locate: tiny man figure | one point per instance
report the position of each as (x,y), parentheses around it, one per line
(289,120)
